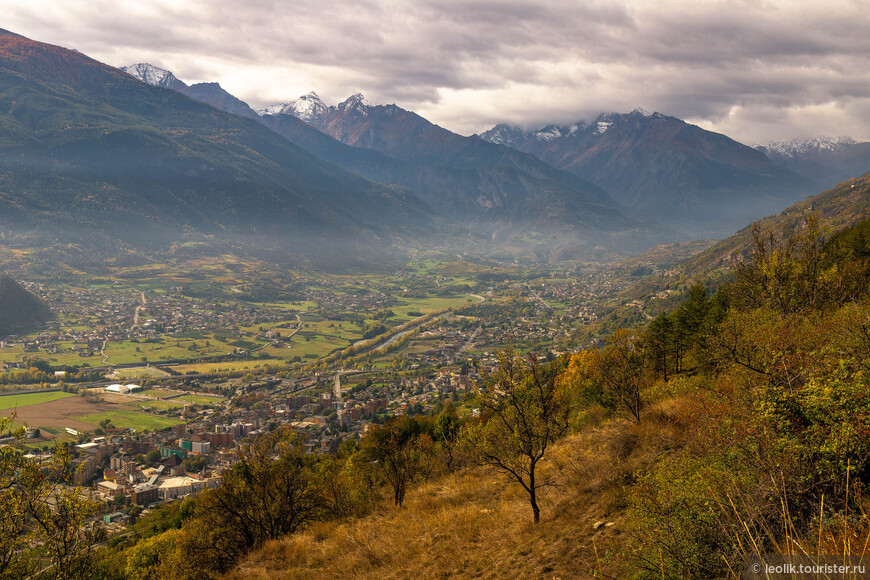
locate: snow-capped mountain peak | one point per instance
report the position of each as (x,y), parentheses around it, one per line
(549,133)
(504,134)
(513,136)
(356,102)
(154,75)
(272,109)
(602,126)
(803,146)
(308,108)
(606,120)
(603,123)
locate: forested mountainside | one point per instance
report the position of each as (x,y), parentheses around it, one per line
(19,309)
(92,153)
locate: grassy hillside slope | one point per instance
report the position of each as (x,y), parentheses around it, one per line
(473,524)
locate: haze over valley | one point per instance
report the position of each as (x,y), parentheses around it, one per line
(534,291)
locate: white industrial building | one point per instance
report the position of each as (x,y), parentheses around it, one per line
(122,389)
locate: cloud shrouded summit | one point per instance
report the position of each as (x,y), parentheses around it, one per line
(757,72)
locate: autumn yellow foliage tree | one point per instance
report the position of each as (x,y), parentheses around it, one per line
(614,377)
(44,525)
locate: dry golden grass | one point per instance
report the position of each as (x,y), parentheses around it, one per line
(835,535)
(478,524)
(474,524)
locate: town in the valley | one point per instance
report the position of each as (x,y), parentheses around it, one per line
(177,379)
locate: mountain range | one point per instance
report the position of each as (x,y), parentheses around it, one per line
(699,182)
(676,172)
(496,192)
(89,152)
(211,93)
(491,187)
(825,161)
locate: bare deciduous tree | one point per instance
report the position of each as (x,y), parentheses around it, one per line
(525,410)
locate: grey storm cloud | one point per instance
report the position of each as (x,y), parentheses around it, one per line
(756,70)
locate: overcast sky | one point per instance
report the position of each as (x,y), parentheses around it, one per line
(756,70)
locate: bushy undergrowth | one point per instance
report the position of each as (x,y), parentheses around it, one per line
(781,417)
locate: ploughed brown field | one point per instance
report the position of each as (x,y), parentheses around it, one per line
(59,413)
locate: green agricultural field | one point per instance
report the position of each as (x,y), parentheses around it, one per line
(140,373)
(129,419)
(226,366)
(167,349)
(157,393)
(283,353)
(427,305)
(342,330)
(10,354)
(426,266)
(180,400)
(27,399)
(162,405)
(71,359)
(199,399)
(318,346)
(296,306)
